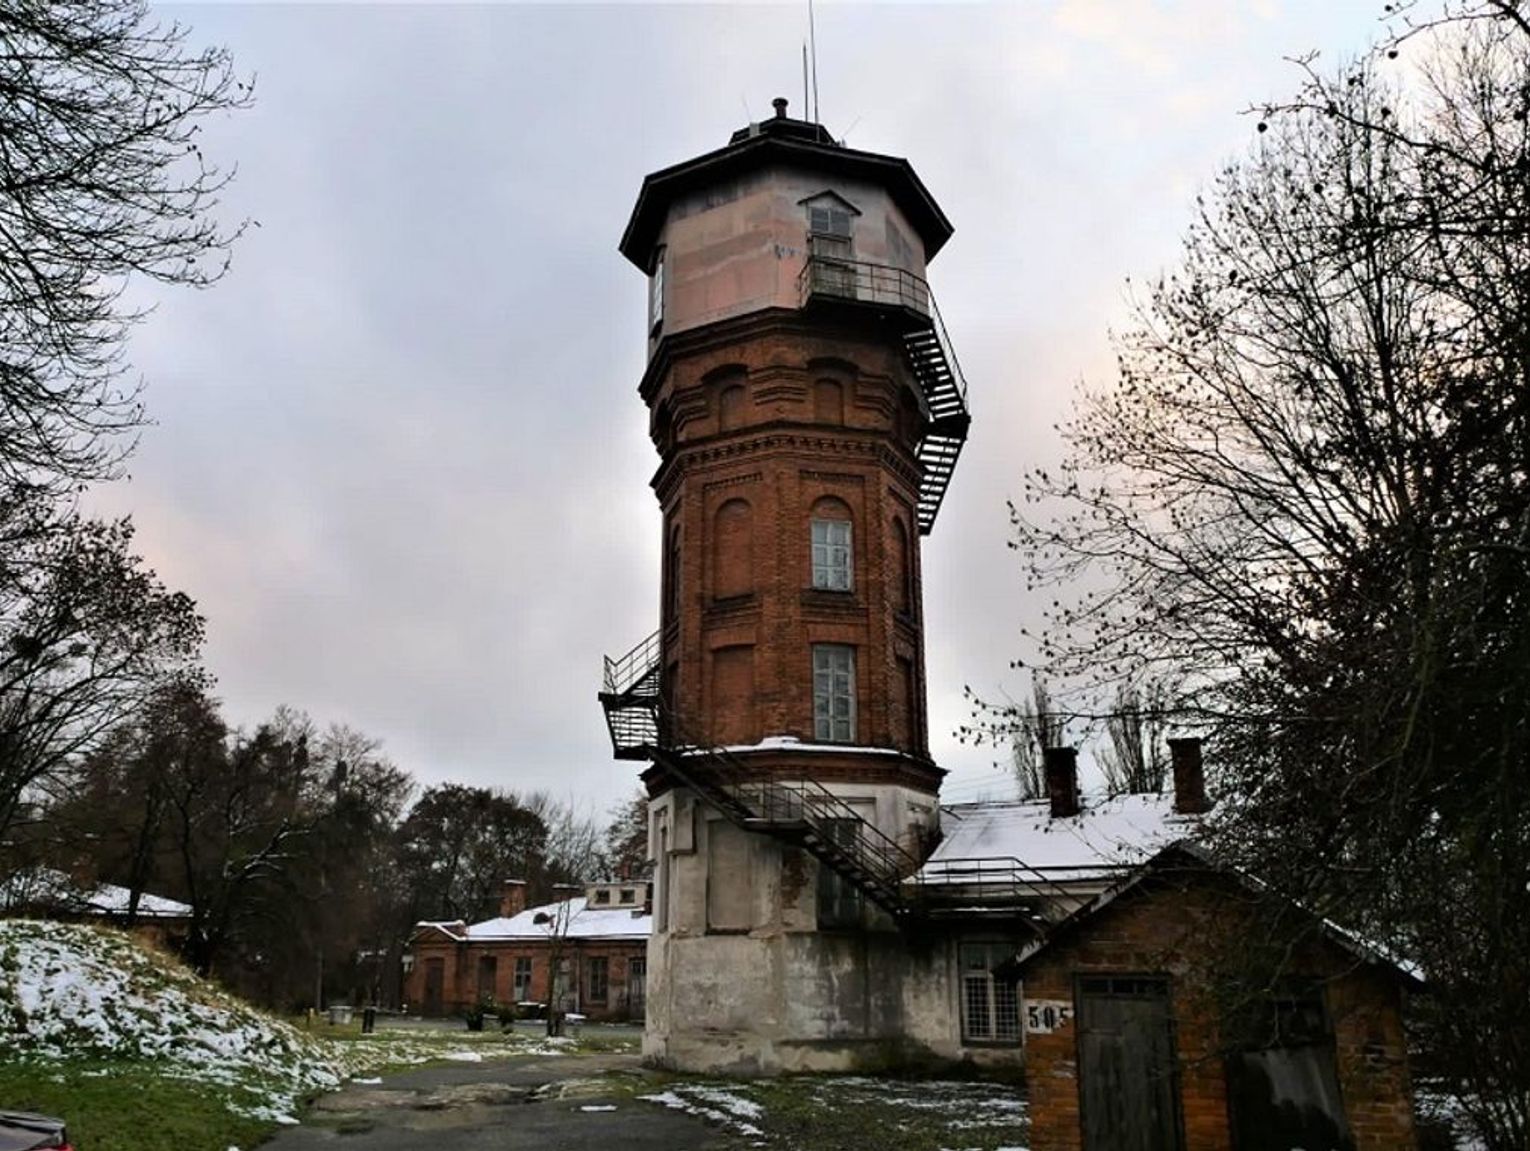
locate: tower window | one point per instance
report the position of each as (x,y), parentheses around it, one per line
(833,693)
(831,555)
(656,293)
(829,221)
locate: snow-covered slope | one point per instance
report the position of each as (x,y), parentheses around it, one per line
(70,991)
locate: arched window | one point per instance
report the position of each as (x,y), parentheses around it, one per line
(730,407)
(828,402)
(733,550)
(833,546)
(672,576)
(903,569)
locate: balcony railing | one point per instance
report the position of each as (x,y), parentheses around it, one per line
(907,298)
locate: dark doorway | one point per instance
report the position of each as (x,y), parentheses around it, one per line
(1127,1086)
(435,979)
(1285,1086)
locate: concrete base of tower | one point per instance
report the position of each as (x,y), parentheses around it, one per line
(792,1002)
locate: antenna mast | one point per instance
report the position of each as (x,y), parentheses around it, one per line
(813,43)
(807,109)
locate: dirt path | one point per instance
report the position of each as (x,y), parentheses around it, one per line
(578,1102)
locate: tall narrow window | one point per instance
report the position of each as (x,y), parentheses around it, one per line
(990,1007)
(831,555)
(833,693)
(522,988)
(656,293)
(833,249)
(597,979)
(839,900)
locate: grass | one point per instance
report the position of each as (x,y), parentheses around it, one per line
(120,1107)
(848,1113)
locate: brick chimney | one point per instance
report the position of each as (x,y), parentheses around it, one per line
(1189,776)
(512,900)
(1061,764)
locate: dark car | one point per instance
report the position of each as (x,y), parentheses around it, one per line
(21,1131)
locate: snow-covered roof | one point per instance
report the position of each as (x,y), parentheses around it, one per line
(45,887)
(569,919)
(1106,838)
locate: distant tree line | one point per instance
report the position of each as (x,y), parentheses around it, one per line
(305,854)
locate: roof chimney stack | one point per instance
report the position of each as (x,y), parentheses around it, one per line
(1189,776)
(779,104)
(1061,764)
(512,898)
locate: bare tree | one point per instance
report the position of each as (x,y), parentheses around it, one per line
(101,178)
(88,635)
(1307,497)
(1133,759)
(1032,726)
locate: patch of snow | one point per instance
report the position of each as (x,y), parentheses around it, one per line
(598,1107)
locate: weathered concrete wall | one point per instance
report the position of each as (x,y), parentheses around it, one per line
(740,247)
(743,980)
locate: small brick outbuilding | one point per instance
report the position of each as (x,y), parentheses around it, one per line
(1128,1043)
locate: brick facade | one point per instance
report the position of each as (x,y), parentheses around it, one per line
(1169,926)
(765,423)
(466,978)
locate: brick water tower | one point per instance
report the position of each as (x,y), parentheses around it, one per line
(808,412)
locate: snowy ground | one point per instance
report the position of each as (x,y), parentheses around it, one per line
(850,1111)
(75,994)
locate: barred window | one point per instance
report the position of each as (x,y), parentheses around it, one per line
(833,693)
(831,555)
(990,1007)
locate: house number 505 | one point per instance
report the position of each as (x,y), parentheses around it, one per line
(1043,1016)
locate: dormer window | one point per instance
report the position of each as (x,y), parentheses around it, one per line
(656,294)
(829,221)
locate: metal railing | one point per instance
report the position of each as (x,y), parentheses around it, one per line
(991,880)
(864,282)
(627,671)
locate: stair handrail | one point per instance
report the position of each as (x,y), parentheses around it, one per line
(626,671)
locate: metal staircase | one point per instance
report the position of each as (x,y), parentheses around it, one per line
(630,698)
(807,815)
(802,813)
(907,298)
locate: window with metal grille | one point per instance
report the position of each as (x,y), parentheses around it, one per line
(522,985)
(833,693)
(597,979)
(831,555)
(990,1006)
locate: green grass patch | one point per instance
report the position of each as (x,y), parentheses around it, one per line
(850,1113)
(122,1107)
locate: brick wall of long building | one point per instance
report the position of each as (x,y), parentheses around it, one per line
(474,971)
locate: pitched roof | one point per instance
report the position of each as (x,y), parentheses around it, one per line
(568,919)
(44,887)
(1186,853)
(1106,839)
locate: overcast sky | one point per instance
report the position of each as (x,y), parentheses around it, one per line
(399,458)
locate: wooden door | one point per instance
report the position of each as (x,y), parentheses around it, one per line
(1128,1090)
(435,979)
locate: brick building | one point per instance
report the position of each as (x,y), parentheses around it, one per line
(595,945)
(1127,1029)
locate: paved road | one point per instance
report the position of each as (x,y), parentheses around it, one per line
(508,1104)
